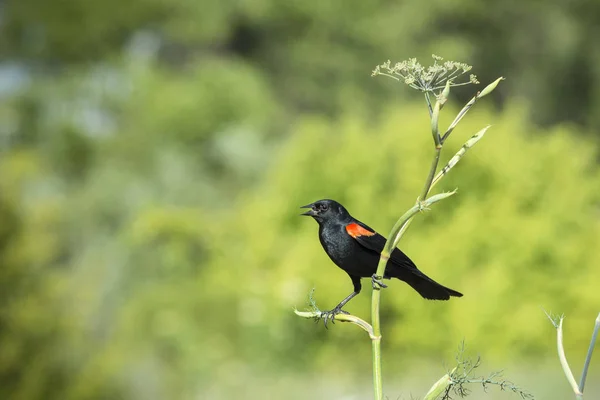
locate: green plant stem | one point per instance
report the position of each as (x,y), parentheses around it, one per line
(390,244)
(487,90)
(404,222)
(459,116)
(431,181)
(459,154)
(432,170)
(376,345)
(401,226)
(396,234)
(429,107)
(563,360)
(588,358)
(341,317)
(377,375)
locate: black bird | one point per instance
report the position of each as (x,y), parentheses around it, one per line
(355,248)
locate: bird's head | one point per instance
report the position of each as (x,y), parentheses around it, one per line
(324,210)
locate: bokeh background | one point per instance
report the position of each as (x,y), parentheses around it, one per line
(154,153)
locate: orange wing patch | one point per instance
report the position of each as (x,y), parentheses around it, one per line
(355,230)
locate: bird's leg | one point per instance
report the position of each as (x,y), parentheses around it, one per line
(377,282)
(330,315)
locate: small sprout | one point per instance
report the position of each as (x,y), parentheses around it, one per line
(431,79)
(311,302)
(554,319)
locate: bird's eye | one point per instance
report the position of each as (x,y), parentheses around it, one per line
(323,207)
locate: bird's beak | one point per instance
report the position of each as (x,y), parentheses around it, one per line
(310,212)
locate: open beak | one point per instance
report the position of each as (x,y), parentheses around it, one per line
(310,212)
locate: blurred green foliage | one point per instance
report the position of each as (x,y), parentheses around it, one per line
(153,156)
(518,235)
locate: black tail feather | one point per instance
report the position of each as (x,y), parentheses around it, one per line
(425,286)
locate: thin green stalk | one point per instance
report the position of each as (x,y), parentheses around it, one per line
(318,314)
(459,154)
(376,344)
(431,175)
(390,244)
(428,100)
(588,358)
(377,375)
(422,202)
(487,90)
(396,234)
(563,360)
(434,115)
(459,116)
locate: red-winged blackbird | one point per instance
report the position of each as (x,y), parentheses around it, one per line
(355,248)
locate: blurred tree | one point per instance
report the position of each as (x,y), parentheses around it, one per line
(317,56)
(152,152)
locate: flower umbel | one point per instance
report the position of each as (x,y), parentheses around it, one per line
(431,79)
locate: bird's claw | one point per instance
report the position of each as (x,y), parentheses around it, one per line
(377,282)
(330,315)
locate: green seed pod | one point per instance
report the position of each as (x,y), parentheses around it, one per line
(489,88)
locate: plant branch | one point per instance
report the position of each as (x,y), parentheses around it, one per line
(429,107)
(487,90)
(453,161)
(377,374)
(396,230)
(404,222)
(317,314)
(458,117)
(558,323)
(588,358)
(459,154)
(390,244)
(431,175)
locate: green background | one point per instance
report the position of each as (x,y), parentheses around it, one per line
(154,153)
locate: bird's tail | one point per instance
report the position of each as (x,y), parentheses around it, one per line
(425,286)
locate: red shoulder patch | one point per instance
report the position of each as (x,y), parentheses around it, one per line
(355,230)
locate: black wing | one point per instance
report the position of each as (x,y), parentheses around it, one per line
(401,266)
(374,241)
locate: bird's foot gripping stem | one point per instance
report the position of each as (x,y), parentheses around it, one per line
(330,315)
(377,282)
